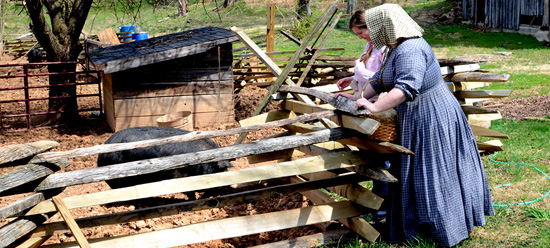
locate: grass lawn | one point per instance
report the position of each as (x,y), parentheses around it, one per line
(518,174)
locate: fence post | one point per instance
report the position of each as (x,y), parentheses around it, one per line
(2,21)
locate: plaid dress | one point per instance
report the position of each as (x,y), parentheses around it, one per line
(442,189)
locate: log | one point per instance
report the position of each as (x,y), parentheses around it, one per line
(363,143)
(457,61)
(11,232)
(340,103)
(230,227)
(479,77)
(21,205)
(197,135)
(328,239)
(483,93)
(171,162)
(207,203)
(19,152)
(26,178)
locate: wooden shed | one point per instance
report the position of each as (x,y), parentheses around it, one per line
(524,16)
(186,71)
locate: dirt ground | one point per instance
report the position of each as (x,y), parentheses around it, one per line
(94,131)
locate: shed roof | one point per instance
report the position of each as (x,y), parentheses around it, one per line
(172,46)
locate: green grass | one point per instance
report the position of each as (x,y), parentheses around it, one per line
(527,65)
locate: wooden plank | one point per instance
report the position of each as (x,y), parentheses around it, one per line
(459,68)
(485,132)
(165,105)
(18,228)
(108,100)
(492,145)
(340,103)
(353,192)
(328,239)
(206,203)
(479,77)
(23,179)
(283,155)
(21,205)
(362,142)
(307,165)
(71,223)
(159,89)
(108,36)
(483,93)
(33,242)
(199,120)
(266,117)
(357,224)
(468,110)
(231,227)
(19,152)
(484,117)
(104,148)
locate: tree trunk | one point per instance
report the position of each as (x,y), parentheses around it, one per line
(304,8)
(352,5)
(182,7)
(2,21)
(61,43)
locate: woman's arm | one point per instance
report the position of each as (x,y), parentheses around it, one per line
(395,97)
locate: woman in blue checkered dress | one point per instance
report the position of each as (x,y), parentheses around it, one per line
(443,190)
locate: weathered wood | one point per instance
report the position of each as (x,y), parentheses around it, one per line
(363,143)
(483,93)
(484,117)
(71,223)
(267,117)
(197,135)
(283,155)
(357,224)
(33,242)
(19,152)
(328,238)
(376,173)
(175,88)
(479,77)
(457,61)
(186,206)
(353,191)
(485,132)
(468,110)
(21,205)
(230,227)
(340,103)
(11,232)
(23,179)
(459,68)
(492,145)
(318,163)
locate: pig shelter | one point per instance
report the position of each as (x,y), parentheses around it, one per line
(185,71)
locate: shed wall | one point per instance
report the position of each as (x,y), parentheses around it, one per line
(201,84)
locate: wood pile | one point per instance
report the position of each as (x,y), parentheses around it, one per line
(326,166)
(464,77)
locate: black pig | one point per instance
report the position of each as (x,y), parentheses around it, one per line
(145,133)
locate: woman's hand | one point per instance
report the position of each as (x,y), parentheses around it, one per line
(362,102)
(344,82)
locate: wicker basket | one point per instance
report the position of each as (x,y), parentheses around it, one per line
(388,126)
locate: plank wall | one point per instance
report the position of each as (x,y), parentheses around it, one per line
(201,83)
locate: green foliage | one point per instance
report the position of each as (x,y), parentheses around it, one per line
(302,27)
(537,214)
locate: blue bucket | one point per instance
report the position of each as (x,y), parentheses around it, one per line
(140,36)
(127,28)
